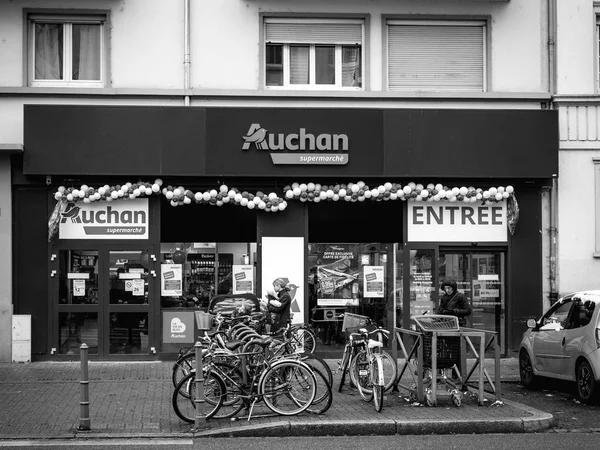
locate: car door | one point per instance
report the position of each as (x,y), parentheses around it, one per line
(548,340)
(577,333)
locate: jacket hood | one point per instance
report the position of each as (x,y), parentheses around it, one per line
(450,283)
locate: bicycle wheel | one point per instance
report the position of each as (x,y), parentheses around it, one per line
(324,397)
(233,400)
(185,406)
(390,370)
(377,382)
(360,372)
(182,367)
(316,362)
(304,339)
(345,363)
(288,387)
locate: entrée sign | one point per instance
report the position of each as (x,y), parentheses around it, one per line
(455,222)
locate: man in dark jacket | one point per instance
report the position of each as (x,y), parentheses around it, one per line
(453,303)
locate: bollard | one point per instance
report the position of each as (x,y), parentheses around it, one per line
(200,419)
(84,403)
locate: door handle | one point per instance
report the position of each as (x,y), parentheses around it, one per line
(563,341)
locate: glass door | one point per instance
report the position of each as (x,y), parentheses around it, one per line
(480,276)
(128,283)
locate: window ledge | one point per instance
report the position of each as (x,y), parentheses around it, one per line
(596,255)
(258,93)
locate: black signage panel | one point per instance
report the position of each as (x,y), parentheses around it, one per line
(471,143)
(113,140)
(294,142)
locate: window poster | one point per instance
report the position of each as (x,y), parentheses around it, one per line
(337,275)
(79,288)
(178,327)
(171,280)
(374,278)
(243,279)
(283,257)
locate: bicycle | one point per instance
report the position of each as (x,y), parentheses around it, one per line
(368,369)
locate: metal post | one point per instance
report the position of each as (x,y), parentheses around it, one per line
(84,403)
(200,419)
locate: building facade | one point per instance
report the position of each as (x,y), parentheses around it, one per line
(160,154)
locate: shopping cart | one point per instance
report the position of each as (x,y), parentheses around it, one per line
(447,355)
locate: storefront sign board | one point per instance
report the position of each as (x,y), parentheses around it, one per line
(105,220)
(178,326)
(456,222)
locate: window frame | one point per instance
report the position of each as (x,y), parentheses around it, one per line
(312,50)
(596,161)
(596,7)
(481,22)
(67,20)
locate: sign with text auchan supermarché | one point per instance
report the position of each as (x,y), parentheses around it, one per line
(105,220)
(457,222)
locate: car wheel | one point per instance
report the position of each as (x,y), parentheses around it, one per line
(586,383)
(528,378)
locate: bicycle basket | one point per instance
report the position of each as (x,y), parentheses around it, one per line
(354,321)
(436,322)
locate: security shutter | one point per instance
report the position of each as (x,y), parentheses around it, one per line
(316,32)
(436,56)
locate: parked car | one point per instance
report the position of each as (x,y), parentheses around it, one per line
(565,344)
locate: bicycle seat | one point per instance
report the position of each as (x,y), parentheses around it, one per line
(374,344)
(233,344)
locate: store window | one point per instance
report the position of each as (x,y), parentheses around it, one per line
(355,278)
(201,277)
(67,50)
(436,55)
(597,203)
(313,53)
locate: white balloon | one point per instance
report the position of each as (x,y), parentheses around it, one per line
(424,193)
(289,194)
(198,196)
(137,192)
(187,200)
(381,189)
(231,193)
(114,194)
(310,187)
(335,197)
(498,196)
(282,206)
(297,192)
(510,189)
(62,189)
(213,192)
(316,199)
(57,195)
(463,190)
(387,186)
(75,192)
(155,187)
(238,198)
(177,192)
(131,196)
(368,194)
(102,191)
(303,187)
(169,195)
(355,188)
(148,191)
(455,191)
(342,192)
(251,205)
(81,194)
(262,205)
(330,193)
(244,202)
(158,181)
(272,196)
(219,203)
(407,189)
(223,189)
(206,196)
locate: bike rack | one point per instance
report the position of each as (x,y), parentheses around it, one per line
(414,361)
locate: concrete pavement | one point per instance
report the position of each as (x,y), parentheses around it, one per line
(40,400)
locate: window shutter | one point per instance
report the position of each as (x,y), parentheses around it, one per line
(313,33)
(436,57)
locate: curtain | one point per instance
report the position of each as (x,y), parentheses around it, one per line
(48,51)
(86,52)
(299,64)
(351,68)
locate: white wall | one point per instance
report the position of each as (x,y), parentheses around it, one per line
(576,222)
(575,47)
(5,262)
(147,38)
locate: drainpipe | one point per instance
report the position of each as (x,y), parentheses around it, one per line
(186,51)
(553,230)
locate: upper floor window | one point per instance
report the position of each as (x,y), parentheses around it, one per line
(436,55)
(66,50)
(313,53)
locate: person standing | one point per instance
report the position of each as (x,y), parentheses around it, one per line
(453,303)
(281,306)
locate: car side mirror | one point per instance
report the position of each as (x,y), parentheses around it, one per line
(531,323)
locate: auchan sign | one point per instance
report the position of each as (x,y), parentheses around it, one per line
(105,220)
(298,148)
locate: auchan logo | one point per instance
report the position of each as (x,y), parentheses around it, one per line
(331,148)
(125,221)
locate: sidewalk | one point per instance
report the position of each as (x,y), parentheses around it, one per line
(40,400)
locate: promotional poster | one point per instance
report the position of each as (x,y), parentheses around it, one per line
(337,275)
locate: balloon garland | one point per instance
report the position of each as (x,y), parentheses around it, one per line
(272,202)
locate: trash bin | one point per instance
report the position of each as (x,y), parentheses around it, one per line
(21,338)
